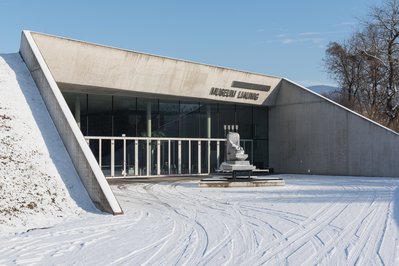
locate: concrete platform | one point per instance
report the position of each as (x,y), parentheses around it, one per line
(242,182)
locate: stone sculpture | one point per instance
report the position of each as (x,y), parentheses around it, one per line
(235,155)
(234,151)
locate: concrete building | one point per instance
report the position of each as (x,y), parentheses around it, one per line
(123,114)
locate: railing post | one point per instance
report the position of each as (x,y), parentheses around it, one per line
(112,157)
(179,157)
(136,157)
(158,157)
(169,156)
(199,157)
(217,153)
(124,157)
(209,156)
(148,157)
(100,159)
(189,157)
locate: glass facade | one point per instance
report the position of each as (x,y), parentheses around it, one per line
(108,115)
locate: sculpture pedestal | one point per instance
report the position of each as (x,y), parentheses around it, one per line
(230,166)
(241,182)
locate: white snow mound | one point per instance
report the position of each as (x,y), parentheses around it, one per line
(38,183)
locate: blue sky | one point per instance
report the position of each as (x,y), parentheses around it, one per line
(283,38)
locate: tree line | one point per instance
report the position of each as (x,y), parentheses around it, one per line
(366,66)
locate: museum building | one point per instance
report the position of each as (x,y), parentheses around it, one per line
(123,113)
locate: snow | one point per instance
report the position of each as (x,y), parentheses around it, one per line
(325,220)
(38,183)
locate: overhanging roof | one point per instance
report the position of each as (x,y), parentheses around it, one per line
(88,67)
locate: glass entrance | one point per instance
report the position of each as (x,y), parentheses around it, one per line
(136,136)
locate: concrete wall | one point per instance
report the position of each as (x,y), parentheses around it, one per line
(81,155)
(76,64)
(310,134)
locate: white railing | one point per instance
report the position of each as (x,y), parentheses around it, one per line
(159,156)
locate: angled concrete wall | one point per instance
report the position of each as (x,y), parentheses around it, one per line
(310,134)
(80,153)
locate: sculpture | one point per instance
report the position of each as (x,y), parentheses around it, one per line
(234,151)
(236,170)
(235,155)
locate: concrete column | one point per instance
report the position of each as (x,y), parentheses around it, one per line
(77,110)
(208,121)
(149,135)
(209,134)
(149,119)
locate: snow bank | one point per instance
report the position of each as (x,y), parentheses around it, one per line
(38,183)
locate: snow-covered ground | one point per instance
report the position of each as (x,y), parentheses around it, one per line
(312,220)
(38,183)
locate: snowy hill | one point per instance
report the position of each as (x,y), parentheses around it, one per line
(38,183)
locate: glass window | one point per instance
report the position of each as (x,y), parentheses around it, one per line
(100,115)
(244,121)
(215,121)
(261,154)
(141,116)
(168,122)
(226,117)
(203,130)
(155,118)
(189,120)
(124,116)
(260,122)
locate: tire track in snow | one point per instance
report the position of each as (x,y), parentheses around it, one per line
(202,236)
(367,246)
(327,214)
(334,242)
(237,232)
(301,234)
(347,236)
(209,254)
(243,232)
(282,215)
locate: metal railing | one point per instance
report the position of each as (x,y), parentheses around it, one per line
(159,156)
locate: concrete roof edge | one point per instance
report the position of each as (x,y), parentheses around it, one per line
(343,107)
(165,57)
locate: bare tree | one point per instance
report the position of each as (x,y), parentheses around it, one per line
(386,20)
(366,66)
(371,81)
(344,66)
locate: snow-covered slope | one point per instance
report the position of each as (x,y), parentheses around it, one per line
(38,183)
